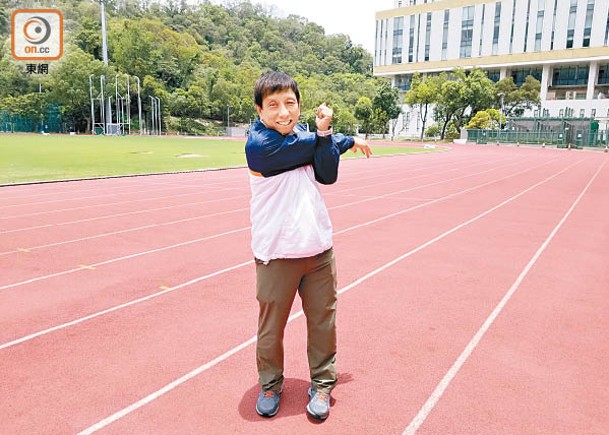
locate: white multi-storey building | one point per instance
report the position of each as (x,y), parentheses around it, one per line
(562,43)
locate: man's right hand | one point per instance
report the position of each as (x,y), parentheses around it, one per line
(362,145)
(323,117)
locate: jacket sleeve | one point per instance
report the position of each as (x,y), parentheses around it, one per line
(327,157)
(271,153)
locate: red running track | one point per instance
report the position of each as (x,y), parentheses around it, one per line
(474,292)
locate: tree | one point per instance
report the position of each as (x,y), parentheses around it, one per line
(68,85)
(422,95)
(517,100)
(386,105)
(489,119)
(449,102)
(364,114)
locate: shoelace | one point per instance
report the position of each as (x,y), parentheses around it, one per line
(269,394)
(321,396)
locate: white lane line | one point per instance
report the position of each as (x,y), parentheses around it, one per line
(371,198)
(126,257)
(127,230)
(109,204)
(151,210)
(129,213)
(172,385)
(65,272)
(118,307)
(105,189)
(437,393)
(65,325)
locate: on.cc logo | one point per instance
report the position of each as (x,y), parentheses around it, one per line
(37,30)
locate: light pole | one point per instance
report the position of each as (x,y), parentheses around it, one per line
(501,95)
(227,120)
(92,104)
(139,105)
(152,113)
(159,119)
(102,102)
(108,118)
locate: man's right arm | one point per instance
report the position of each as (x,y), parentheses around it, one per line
(270,153)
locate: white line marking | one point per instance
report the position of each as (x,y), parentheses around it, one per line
(113,260)
(129,213)
(189,204)
(172,385)
(109,204)
(118,307)
(126,257)
(437,393)
(371,198)
(127,230)
(67,324)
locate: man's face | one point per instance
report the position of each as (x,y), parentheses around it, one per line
(280,111)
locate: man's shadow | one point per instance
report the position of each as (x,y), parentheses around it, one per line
(294,399)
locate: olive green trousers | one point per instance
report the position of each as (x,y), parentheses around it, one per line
(276,285)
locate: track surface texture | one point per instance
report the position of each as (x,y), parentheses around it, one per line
(474,292)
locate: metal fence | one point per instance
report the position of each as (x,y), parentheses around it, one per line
(579,139)
(564,133)
(51,122)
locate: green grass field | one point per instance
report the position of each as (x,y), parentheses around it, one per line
(25,158)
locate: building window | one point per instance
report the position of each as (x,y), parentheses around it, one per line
(411,39)
(582,113)
(482,30)
(402,82)
(496,27)
(553,25)
(571,24)
(513,25)
(607,30)
(539,25)
(588,25)
(561,113)
(526,28)
(494,75)
(603,74)
(570,76)
(519,75)
(593,113)
(427,36)
(398,35)
(445,34)
(467,31)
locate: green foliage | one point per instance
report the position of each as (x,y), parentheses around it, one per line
(423,94)
(433,130)
(517,100)
(200,59)
(485,119)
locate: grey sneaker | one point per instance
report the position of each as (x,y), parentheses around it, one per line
(319,405)
(267,404)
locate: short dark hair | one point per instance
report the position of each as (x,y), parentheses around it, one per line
(271,82)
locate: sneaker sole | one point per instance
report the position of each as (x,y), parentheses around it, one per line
(262,414)
(315,416)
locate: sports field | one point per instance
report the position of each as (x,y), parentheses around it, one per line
(25,158)
(474,292)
